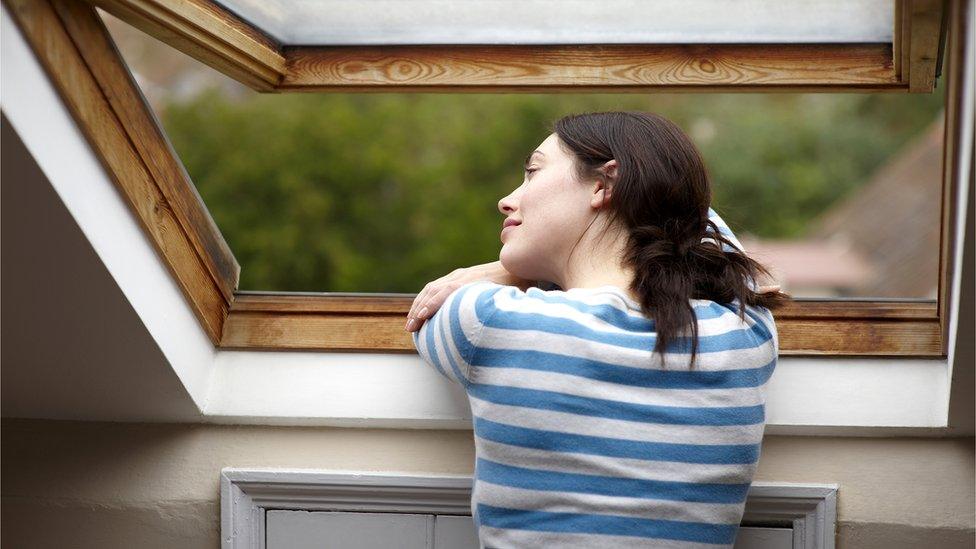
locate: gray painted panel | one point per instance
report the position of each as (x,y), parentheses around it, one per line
(288,529)
(342,530)
(455,532)
(752,537)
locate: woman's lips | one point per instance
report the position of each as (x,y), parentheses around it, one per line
(507,228)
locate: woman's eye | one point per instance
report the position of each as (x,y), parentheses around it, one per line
(530,170)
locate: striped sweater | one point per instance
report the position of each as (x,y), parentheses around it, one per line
(583,438)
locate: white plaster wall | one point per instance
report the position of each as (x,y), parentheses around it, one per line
(107,485)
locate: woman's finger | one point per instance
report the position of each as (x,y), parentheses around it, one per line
(422,301)
(435,293)
(423,296)
(415,306)
(431,304)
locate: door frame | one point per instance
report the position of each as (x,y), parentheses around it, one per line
(246,494)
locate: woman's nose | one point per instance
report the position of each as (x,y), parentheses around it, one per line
(505,205)
(509,202)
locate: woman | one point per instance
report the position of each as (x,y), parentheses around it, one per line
(622,403)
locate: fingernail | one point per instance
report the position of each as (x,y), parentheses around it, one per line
(422,313)
(409,324)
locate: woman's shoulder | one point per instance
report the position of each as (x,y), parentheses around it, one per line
(487,298)
(535,307)
(604,307)
(751,326)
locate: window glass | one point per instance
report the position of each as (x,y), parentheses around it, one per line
(360,22)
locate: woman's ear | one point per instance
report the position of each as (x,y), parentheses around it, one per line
(604,188)
(601,195)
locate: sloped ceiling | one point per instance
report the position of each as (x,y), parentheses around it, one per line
(71,345)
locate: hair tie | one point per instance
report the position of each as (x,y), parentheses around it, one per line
(681,249)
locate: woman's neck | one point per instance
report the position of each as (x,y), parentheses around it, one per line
(602,266)
(620,278)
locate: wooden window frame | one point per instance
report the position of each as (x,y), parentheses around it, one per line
(79,56)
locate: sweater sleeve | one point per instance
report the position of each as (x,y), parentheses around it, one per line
(724,230)
(447,340)
(758,314)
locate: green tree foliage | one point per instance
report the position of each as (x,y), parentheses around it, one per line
(383,192)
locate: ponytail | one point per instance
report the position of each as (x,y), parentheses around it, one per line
(671,269)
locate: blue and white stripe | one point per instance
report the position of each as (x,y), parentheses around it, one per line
(583,436)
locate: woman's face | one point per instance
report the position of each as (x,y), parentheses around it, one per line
(552,209)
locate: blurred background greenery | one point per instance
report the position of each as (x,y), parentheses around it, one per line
(383,192)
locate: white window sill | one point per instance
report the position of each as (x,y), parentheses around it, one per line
(805,395)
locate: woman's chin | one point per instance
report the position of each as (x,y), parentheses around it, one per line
(516,264)
(509,259)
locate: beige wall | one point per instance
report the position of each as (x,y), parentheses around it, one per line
(88,484)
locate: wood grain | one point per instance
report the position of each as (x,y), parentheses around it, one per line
(818,337)
(859,309)
(351,323)
(901,38)
(637,67)
(67,70)
(399,304)
(926,23)
(316,331)
(215,36)
(297,303)
(205,31)
(124,95)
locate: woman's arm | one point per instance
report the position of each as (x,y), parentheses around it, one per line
(449,338)
(433,295)
(725,231)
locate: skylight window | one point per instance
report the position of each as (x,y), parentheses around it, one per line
(886,83)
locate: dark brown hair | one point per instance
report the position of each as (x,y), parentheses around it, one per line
(661,196)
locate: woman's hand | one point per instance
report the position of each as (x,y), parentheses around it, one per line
(430,299)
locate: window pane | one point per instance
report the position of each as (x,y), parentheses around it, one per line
(382,192)
(345,22)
